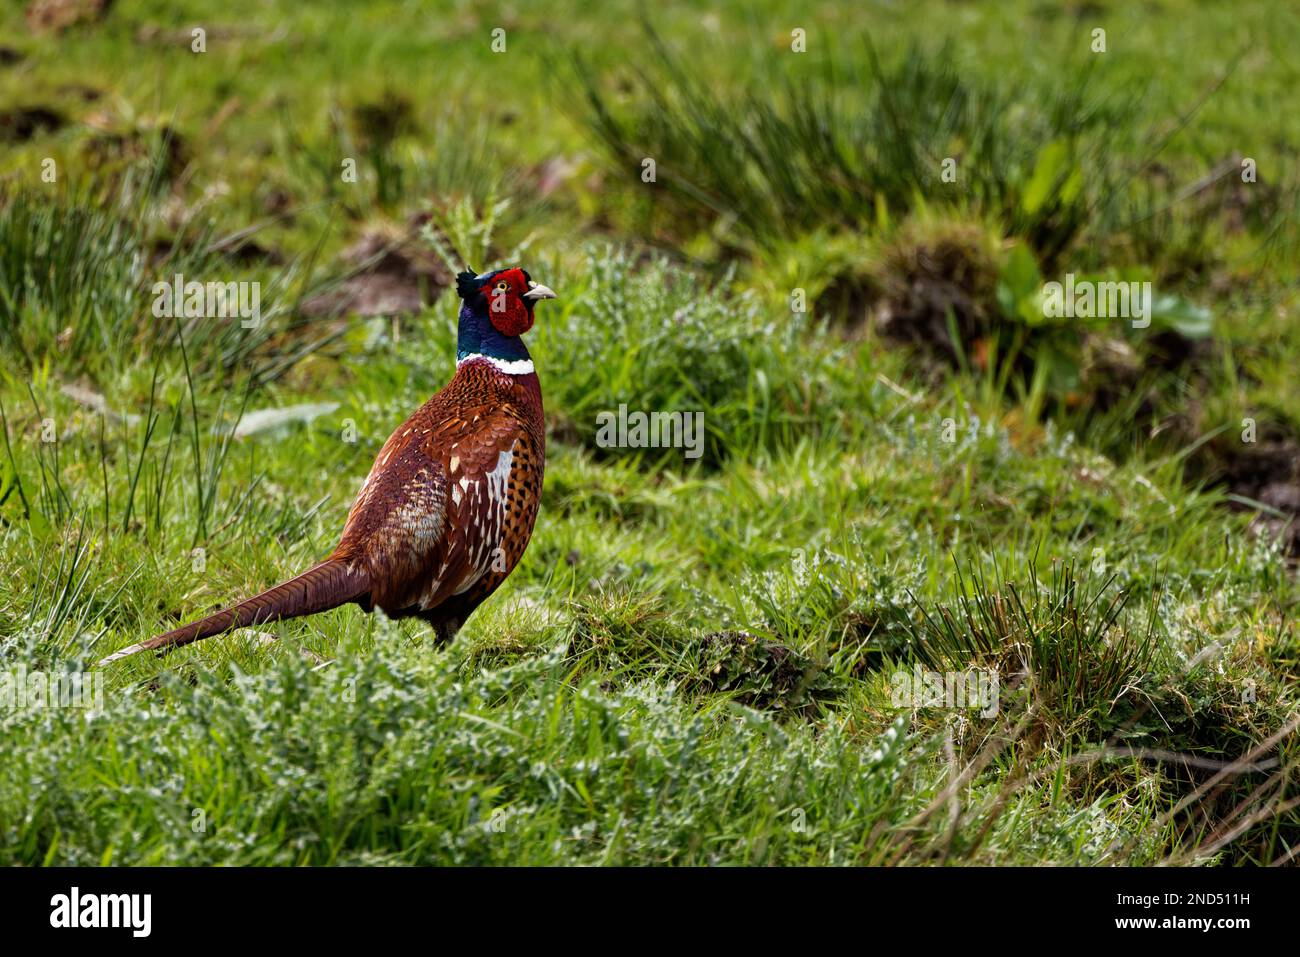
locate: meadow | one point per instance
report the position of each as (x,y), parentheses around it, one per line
(908,469)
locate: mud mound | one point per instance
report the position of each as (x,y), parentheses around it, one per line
(927,277)
(393,274)
(22,123)
(55,16)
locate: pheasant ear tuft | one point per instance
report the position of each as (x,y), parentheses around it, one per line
(467,285)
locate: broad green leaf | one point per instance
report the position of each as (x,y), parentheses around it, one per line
(1051,169)
(1020,286)
(1186,318)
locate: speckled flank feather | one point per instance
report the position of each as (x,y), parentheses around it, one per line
(443,517)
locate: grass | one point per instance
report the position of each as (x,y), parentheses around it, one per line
(863,142)
(696,662)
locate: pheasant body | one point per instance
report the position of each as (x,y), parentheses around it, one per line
(449,505)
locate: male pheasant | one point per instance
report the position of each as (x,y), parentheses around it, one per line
(448,507)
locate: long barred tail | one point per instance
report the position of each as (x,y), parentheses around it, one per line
(330,584)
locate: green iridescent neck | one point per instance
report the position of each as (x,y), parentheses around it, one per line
(477,336)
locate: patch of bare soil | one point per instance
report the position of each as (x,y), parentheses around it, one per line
(55,16)
(392,274)
(114,145)
(1268,472)
(22,123)
(926,280)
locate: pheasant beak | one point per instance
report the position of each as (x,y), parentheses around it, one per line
(538,291)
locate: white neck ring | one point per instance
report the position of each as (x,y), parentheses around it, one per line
(508,366)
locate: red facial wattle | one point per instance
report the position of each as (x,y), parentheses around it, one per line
(510,313)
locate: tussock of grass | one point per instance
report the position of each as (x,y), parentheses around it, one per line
(1066,641)
(864,141)
(657,338)
(76,289)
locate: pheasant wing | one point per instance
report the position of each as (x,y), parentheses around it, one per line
(431,516)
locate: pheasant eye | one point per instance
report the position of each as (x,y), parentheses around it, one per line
(502,286)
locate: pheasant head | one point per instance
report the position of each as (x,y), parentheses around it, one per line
(496,309)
